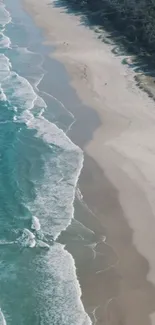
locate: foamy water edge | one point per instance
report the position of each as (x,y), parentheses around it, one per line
(28,118)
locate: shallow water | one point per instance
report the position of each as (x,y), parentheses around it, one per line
(39,169)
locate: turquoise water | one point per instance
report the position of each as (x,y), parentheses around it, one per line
(39,169)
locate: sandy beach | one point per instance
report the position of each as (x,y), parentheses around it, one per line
(117,133)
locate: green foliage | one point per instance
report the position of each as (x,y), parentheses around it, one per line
(133,18)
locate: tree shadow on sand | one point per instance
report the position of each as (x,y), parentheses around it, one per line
(132,52)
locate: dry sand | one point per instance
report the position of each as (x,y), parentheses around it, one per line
(123,147)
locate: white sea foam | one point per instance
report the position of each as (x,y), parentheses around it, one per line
(27,239)
(51,134)
(5,17)
(53,205)
(2,95)
(18,90)
(60,286)
(5,64)
(4,41)
(79,194)
(35,224)
(55,196)
(5,67)
(21,94)
(2,318)
(54,200)
(69,162)
(42,244)
(5,242)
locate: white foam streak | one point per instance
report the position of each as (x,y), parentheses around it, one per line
(23,98)
(79,195)
(4,41)
(2,318)
(52,134)
(5,242)
(5,17)
(2,95)
(59,268)
(27,239)
(55,194)
(42,244)
(5,63)
(35,224)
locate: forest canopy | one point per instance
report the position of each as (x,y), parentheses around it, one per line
(134,19)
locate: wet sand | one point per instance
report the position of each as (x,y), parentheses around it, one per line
(115,127)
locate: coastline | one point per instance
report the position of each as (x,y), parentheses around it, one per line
(111,181)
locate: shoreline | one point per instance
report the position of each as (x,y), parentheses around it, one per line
(117,167)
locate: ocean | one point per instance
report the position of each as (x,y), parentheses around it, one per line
(39,170)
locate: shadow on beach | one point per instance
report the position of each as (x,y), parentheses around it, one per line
(133,53)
